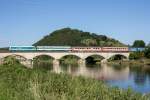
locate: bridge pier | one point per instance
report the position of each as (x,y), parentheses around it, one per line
(104,61)
(56,62)
(56,66)
(82,61)
(1,61)
(28,63)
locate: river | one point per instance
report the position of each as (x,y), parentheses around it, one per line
(122,76)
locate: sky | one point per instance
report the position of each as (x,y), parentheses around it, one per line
(23,22)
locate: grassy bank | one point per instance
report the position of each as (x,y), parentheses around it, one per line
(118,62)
(130,62)
(140,62)
(20,83)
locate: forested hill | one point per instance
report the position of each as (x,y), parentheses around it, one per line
(74,37)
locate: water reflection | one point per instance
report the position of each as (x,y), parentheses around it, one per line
(124,76)
(139,75)
(43,65)
(100,72)
(139,79)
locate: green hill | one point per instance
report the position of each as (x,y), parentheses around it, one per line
(74,37)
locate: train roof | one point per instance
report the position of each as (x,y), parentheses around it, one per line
(22,46)
(53,46)
(67,46)
(98,46)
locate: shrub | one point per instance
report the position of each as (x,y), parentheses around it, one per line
(147,52)
(19,83)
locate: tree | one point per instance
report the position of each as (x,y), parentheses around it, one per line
(139,43)
(11,61)
(147,52)
(136,55)
(89,42)
(148,44)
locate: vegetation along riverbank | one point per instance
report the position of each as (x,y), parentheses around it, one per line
(20,83)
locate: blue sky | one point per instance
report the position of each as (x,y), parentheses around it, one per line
(22,22)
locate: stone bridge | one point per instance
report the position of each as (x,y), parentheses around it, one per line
(29,56)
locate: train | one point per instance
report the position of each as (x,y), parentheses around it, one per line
(39,48)
(71,49)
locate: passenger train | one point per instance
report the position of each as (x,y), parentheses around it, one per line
(67,49)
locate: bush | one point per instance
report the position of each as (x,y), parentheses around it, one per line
(136,55)
(139,43)
(19,83)
(147,52)
(10,61)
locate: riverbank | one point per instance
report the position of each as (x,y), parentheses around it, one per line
(20,83)
(131,62)
(140,62)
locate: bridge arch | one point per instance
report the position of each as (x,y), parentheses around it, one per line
(19,57)
(43,55)
(120,56)
(43,61)
(88,55)
(70,55)
(70,59)
(38,55)
(94,58)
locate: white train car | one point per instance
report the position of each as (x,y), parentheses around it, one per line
(53,48)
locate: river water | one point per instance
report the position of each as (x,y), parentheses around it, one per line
(122,76)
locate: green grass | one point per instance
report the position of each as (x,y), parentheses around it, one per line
(20,83)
